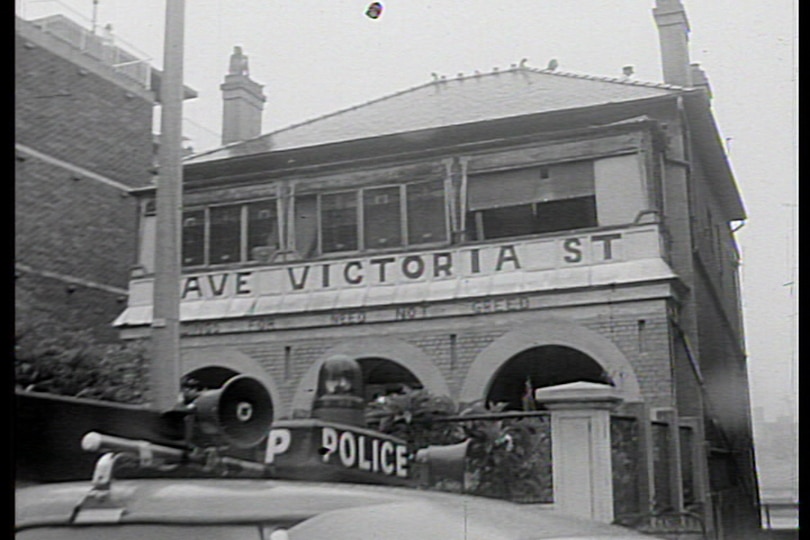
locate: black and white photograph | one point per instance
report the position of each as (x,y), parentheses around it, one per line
(406,270)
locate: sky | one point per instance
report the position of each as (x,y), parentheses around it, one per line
(318,56)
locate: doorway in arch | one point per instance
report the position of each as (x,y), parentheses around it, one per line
(382,377)
(209,378)
(538,367)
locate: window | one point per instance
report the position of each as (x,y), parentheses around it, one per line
(531,201)
(427,216)
(339,222)
(230,234)
(389,217)
(193,238)
(382,217)
(368,218)
(305,226)
(225,234)
(262,230)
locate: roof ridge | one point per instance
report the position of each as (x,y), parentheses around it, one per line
(605,78)
(442,81)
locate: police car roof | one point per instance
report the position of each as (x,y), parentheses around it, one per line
(342,510)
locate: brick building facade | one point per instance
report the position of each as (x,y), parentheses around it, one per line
(83,130)
(476,235)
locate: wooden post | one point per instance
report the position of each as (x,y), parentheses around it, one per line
(164,369)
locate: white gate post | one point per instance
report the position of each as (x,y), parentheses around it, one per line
(580,447)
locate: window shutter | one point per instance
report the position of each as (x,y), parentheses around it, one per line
(534,184)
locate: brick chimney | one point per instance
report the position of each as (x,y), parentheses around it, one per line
(673,33)
(243,101)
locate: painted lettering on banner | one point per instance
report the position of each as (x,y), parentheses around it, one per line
(403,269)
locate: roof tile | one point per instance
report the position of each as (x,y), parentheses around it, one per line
(443,102)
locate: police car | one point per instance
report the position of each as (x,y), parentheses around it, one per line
(326,477)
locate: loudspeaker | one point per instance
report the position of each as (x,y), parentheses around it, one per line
(239,413)
(443,462)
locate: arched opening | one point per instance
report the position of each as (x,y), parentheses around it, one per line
(547,365)
(208,378)
(382,377)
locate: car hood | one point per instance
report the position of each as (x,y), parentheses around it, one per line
(321,511)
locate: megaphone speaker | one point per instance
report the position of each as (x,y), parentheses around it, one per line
(240,412)
(443,462)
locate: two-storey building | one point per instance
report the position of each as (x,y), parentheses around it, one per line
(474,236)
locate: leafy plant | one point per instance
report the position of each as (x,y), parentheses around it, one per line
(411,415)
(72,363)
(507,457)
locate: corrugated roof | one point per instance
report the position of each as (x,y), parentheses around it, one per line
(444,102)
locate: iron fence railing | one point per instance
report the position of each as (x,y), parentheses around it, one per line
(625,458)
(508,456)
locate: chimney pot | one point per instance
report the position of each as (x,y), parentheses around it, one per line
(699,79)
(243,101)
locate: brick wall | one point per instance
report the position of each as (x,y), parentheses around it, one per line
(81,117)
(81,228)
(646,346)
(73,231)
(48,306)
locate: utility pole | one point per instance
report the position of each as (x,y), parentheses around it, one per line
(95,16)
(164,370)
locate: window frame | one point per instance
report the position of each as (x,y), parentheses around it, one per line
(447,240)
(359,194)
(403,231)
(402,188)
(474,219)
(243,232)
(358,228)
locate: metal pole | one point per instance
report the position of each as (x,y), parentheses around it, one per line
(95,16)
(164,369)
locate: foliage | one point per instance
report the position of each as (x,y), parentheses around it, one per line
(507,457)
(72,363)
(411,414)
(510,459)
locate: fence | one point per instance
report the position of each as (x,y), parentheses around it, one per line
(508,457)
(643,495)
(626,456)
(661,468)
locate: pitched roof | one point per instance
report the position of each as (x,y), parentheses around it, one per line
(444,102)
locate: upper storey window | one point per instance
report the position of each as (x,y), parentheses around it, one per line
(225,229)
(230,233)
(262,229)
(383,217)
(193,238)
(339,219)
(427,221)
(531,201)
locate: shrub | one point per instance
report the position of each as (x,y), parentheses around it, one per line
(72,363)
